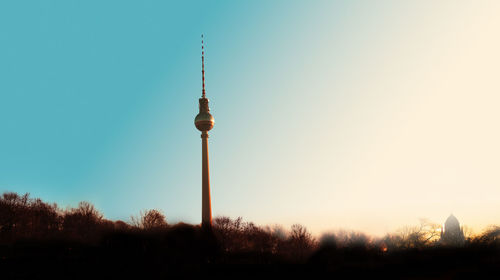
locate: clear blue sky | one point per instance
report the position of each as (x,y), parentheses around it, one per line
(334,114)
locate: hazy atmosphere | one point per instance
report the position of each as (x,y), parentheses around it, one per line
(331,114)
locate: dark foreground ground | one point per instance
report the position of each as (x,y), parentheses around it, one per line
(191,253)
(39,240)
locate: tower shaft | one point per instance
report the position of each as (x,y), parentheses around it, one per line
(206,215)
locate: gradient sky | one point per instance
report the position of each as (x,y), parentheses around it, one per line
(362,115)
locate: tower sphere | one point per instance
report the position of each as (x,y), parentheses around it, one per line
(204,121)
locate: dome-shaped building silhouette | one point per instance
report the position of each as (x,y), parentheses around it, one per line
(452,234)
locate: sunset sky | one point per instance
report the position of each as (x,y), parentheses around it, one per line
(358,115)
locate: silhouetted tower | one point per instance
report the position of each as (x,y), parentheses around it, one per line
(453,234)
(204,122)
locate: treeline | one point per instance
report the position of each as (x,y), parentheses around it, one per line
(47,239)
(23,218)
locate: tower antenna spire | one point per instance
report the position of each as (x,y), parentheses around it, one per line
(203,66)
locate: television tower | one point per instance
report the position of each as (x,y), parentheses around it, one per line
(204,122)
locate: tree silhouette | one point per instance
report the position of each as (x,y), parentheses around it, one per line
(83,221)
(490,236)
(425,234)
(301,242)
(44,218)
(150,220)
(13,214)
